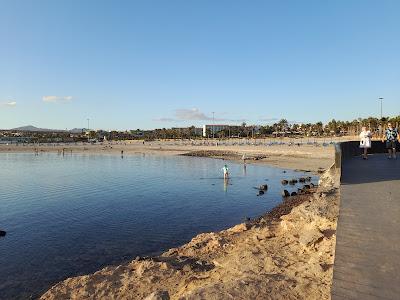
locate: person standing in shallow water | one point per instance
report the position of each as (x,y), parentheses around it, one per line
(226,172)
(365,141)
(391,136)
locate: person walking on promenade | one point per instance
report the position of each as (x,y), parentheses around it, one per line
(365,141)
(391,136)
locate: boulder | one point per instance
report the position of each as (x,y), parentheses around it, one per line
(293,194)
(284,182)
(158,295)
(285,193)
(2,233)
(310,236)
(238,228)
(302,179)
(263,187)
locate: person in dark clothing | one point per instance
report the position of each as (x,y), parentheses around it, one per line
(391,136)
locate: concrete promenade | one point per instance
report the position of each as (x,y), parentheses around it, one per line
(367,260)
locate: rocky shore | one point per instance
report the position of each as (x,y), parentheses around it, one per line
(286,254)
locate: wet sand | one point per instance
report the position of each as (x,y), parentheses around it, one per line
(304,157)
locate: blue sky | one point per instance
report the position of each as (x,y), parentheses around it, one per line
(153,64)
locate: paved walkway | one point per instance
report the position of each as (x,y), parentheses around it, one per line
(367,260)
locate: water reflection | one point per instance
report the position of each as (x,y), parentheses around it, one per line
(226,183)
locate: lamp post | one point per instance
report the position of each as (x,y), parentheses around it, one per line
(213,125)
(380,98)
(380,125)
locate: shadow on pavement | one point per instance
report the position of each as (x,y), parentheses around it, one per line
(376,168)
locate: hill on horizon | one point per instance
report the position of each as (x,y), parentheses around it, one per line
(31,128)
(37,129)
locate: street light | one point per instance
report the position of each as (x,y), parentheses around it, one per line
(380,98)
(380,125)
(213,125)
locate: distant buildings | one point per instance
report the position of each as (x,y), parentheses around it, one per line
(208,130)
(194,131)
(30,134)
(14,139)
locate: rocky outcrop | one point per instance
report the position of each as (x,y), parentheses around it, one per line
(158,295)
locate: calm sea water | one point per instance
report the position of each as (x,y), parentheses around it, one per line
(71,215)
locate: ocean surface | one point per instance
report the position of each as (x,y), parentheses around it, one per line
(74,214)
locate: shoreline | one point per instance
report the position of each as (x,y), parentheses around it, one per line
(208,264)
(302,158)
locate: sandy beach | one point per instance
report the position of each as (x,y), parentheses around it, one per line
(312,157)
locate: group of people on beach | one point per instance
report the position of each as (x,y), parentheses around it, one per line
(390,137)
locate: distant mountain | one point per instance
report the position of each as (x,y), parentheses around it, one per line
(36,129)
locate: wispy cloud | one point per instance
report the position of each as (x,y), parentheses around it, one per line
(165,120)
(54,99)
(184,114)
(236,120)
(9,103)
(268,120)
(191,114)
(195,114)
